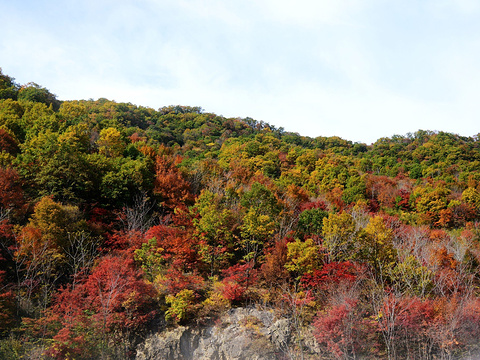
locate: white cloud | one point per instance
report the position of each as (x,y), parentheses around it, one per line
(445,7)
(353,68)
(311,12)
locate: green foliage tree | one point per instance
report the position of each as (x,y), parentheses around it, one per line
(181,305)
(310,222)
(215,228)
(151,259)
(256,230)
(11,113)
(261,198)
(8,88)
(57,165)
(36,93)
(355,189)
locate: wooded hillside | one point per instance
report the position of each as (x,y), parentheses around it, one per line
(115,218)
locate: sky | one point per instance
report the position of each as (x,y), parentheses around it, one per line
(358,69)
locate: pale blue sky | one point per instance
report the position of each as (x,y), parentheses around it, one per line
(358,69)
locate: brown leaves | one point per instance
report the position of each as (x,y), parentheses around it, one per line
(11,193)
(170,184)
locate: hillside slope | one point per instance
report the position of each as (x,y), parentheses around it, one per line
(118,221)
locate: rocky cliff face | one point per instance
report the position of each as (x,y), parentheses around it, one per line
(241,334)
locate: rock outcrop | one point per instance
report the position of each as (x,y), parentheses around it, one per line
(241,334)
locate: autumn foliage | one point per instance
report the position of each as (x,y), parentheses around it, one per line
(118,220)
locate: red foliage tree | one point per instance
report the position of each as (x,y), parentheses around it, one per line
(7,297)
(113,283)
(309,205)
(416,315)
(273,269)
(330,275)
(170,184)
(382,189)
(125,241)
(343,330)
(177,245)
(469,331)
(11,193)
(113,301)
(237,280)
(403,200)
(175,281)
(7,142)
